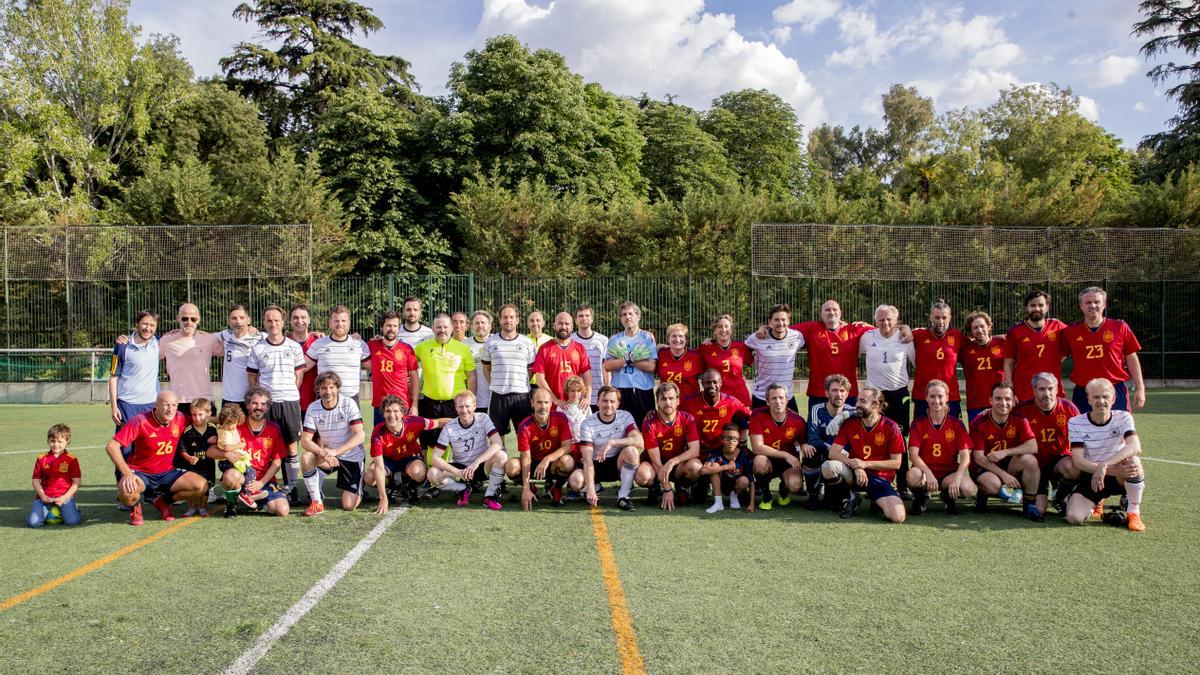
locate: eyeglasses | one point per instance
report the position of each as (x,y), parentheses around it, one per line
(190,319)
(731,439)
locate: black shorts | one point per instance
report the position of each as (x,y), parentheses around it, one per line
(287,415)
(898,407)
(609,470)
(508,410)
(432,408)
(816,460)
(778,466)
(977,471)
(205,466)
(349,475)
(729,482)
(481,473)
(1112,487)
(637,402)
(756,403)
(397,467)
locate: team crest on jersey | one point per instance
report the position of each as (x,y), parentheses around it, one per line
(63,468)
(1010,433)
(842,335)
(553,431)
(949,435)
(879,437)
(1061,419)
(721,412)
(950,340)
(678,431)
(266,444)
(1108,336)
(790,434)
(995,351)
(410,436)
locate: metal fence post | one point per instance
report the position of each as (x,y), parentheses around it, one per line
(1162,333)
(470,293)
(391,291)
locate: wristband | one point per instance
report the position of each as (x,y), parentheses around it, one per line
(668,490)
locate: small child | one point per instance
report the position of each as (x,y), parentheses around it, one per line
(230,441)
(730,469)
(194,445)
(577,408)
(55,480)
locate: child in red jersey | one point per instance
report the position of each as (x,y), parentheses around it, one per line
(55,480)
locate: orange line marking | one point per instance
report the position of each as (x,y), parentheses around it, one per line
(627,648)
(94,565)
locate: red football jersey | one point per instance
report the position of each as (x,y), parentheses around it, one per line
(939,444)
(987,436)
(711,418)
(786,435)
(1100,352)
(831,351)
(1033,352)
(936,358)
(1050,428)
(56,472)
(876,444)
(390,367)
(983,366)
(264,447)
(731,362)
(308,384)
(558,363)
(407,443)
(541,441)
(153,443)
(670,439)
(684,371)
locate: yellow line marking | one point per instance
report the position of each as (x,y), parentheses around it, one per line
(627,648)
(94,565)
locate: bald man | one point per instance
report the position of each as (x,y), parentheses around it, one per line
(561,358)
(188,352)
(149,470)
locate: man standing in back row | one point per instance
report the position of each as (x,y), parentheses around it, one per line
(1105,348)
(631,360)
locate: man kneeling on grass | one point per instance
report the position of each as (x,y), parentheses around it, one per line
(397,461)
(866,455)
(263,440)
(729,469)
(1105,449)
(333,441)
(476,453)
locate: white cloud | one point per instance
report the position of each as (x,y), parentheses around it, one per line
(955,36)
(631,46)
(1089,109)
(807,14)
(206,30)
(1140,107)
(997,56)
(1113,70)
(971,88)
(781,35)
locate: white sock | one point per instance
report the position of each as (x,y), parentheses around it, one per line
(291,472)
(494,479)
(733,502)
(1133,493)
(717,505)
(627,472)
(312,483)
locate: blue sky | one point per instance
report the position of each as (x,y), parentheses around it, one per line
(831,59)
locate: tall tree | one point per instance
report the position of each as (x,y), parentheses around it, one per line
(680,157)
(761,137)
(81,93)
(1173,25)
(527,117)
(315,55)
(907,118)
(837,151)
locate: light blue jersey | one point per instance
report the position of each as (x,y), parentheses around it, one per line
(629,377)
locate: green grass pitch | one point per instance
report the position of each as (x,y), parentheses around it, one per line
(468,590)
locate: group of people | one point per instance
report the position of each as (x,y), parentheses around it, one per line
(586,410)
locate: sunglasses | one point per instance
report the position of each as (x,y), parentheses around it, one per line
(190,319)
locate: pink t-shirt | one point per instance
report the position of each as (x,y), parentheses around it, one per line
(188,360)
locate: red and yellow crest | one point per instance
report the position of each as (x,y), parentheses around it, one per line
(1108,336)
(949,435)
(410,436)
(950,340)
(996,351)
(266,444)
(63,467)
(678,431)
(553,431)
(721,411)
(879,437)
(1061,420)
(842,334)
(1010,433)
(790,434)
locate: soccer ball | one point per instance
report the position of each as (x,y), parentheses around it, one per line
(55,516)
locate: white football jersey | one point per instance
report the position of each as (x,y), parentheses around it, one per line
(774,361)
(344,357)
(335,426)
(510,359)
(596,346)
(1103,441)
(483,393)
(233,368)
(466,443)
(595,431)
(276,366)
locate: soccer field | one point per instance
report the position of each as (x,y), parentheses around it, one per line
(438,588)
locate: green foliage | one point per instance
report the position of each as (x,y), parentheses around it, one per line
(366,147)
(526,117)
(316,55)
(761,137)
(680,157)
(1173,27)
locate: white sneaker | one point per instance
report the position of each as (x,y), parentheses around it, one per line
(716,507)
(734,503)
(453,486)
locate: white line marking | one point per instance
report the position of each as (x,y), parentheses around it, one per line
(1171,461)
(292,616)
(41,450)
